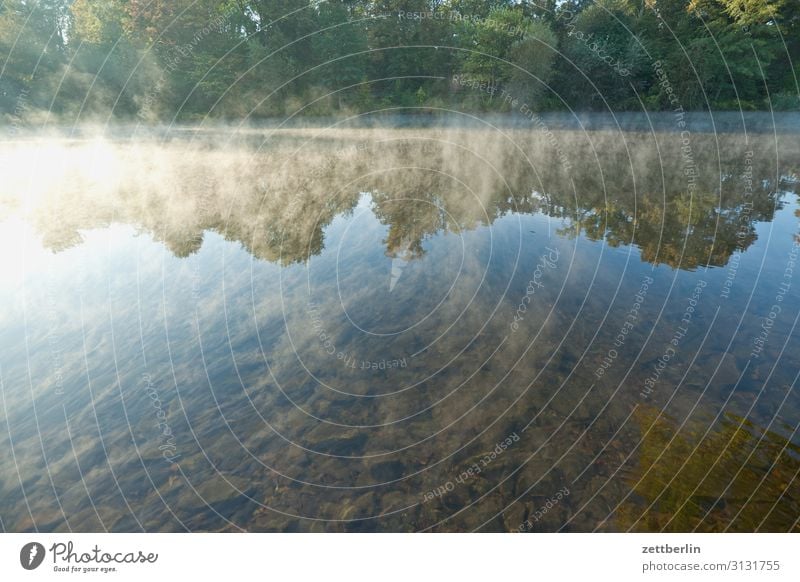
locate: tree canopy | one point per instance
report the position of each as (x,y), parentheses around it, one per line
(192,59)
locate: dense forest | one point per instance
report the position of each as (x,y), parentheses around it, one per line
(162,60)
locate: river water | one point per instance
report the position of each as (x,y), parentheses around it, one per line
(518,327)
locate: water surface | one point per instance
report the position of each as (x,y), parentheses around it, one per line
(426,328)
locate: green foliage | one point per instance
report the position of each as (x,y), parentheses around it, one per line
(161,59)
(509,49)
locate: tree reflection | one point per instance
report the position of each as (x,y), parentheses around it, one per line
(278,204)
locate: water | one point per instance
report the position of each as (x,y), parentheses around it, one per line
(422,328)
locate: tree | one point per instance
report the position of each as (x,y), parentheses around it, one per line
(32,42)
(341,43)
(511,50)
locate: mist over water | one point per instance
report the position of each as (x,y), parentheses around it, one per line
(434,326)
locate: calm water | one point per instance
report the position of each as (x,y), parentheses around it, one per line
(354,329)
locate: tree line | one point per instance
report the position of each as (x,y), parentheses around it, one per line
(159,60)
